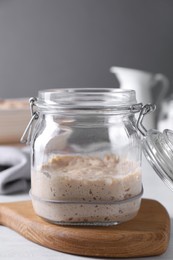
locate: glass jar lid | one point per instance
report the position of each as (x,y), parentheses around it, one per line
(158,149)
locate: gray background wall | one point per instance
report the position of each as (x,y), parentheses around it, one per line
(73,43)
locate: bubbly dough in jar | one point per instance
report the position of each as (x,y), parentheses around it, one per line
(92,189)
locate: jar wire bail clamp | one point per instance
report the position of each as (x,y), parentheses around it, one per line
(26,137)
(146,109)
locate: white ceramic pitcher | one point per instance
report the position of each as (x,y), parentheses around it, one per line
(143,82)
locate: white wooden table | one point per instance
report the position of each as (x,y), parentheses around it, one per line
(15,247)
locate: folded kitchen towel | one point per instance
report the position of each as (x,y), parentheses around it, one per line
(14,169)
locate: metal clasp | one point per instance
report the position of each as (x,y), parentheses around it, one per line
(146,109)
(26,137)
(136,108)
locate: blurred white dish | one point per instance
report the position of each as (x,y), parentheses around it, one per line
(14,116)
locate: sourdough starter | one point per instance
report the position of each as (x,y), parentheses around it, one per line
(87,189)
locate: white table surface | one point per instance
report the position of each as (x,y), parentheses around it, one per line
(14,247)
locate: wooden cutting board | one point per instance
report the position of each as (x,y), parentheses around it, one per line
(146,235)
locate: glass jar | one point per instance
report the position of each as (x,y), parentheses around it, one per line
(86,156)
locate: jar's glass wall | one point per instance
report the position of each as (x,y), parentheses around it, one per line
(86,168)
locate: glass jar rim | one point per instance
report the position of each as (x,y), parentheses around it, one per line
(86,99)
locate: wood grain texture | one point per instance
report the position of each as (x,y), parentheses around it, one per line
(146,235)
